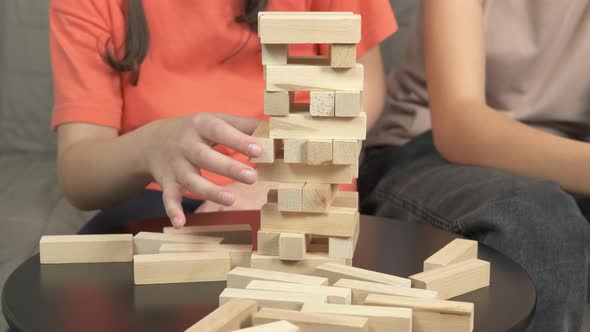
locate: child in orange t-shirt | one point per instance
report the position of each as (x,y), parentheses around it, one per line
(165,94)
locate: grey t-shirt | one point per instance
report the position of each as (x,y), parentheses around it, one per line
(537,71)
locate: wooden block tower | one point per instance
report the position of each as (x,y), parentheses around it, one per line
(312,148)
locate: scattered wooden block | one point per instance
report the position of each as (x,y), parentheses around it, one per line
(454,279)
(346,152)
(319,152)
(334,294)
(261,134)
(209,230)
(313,322)
(278,326)
(313,78)
(62,249)
(295,151)
(343,247)
(456,251)
(280,171)
(292,246)
(360,290)
(275,54)
(268,243)
(277,103)
(304,126)
(302,28)
(380,319)
(233,315)
(290,197)
(318,197)
(239,254)
(150,242)
(240,277)
(269,299)
(343,55)
(335,272)
(347,103)
(180,267)
(430,315)
(321,103)
(305,266)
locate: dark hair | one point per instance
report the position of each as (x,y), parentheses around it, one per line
(137,38)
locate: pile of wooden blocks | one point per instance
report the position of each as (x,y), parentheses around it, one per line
(310,148)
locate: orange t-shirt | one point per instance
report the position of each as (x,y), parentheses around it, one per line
(183,71)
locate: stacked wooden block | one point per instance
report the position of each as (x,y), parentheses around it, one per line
(310,148)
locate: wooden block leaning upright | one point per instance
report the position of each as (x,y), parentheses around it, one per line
(61,249)
(233,315)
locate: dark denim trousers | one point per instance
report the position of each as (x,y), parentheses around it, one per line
(535,223)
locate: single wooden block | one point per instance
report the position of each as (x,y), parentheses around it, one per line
(454,279)
(276,103)
(304,266)
(268,243)
(306,28)
(239,254)
(295,151)
(334,294)
(210,230)
(456,251)
(318,197)
(278,326)
(347,103)
(180,267)
(292,246)
(261,134)
(62,249)
(240,277)
(346,152)
(270,299)
(380,319)
(430,315)
(343,55)
(150,242)
(321,103)
(290,196)
(304,126)
(233,315)
(319,152)
(314,60)
(313,322)
(313,78)
(335,272)
(280,171)
(360,290)
(343,247)
(348,199)
(275,54)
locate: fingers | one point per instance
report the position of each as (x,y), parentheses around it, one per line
(217,131)
(188,178)
(245,125)
(207,158)
(172,196)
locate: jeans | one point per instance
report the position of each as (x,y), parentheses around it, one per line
(535,223)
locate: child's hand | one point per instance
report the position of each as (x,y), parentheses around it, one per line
(177,148)
(248,197)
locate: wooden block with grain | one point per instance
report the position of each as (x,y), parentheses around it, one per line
(343,55)
(239,254)
(290,197)
(313,322)
(277,103)
(180,267)
(347,103)
(313,78)
(334,294)
(430,315)
(278,326)
(270,299)
(62,249)
(319,152)
(308,28)
(318,197)
(209,230)
(335,272)
(304,266)
(275,54)
(269,147)
(346,152)
(321,103)
(380,319)
(280,171)
(304,126)
(455,251)
(454,279)
(240,277)
(292,246)
(343,247)
(295,151)
(150,242)
(360,290)
(268,243)
(233,315)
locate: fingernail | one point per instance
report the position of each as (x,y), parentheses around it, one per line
(254,150)
(226,197)
(249,174)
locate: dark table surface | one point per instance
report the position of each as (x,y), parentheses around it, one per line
(102,297)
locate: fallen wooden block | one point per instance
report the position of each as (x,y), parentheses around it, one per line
(240,277)
(292,246)
(335,295)
(313,322)
(233,315)
(319,152)
(321,103)
(180,267)
(318,197)
(313,78)
(347,103)
(335,272)
(62,249)
(360,290)
(304,266)
(269,299)
(343,55)
(346,152)
(278,326)
(454,279)
(209,230)
(303,28)
(290,197)
(343,247)
(456,251)
(150,242)
(239,254)
(380,319)
(261,134)
(275,54)
(295,151)
(280,171)
(268,243)
(304,126)
(277,103)
(430,315)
